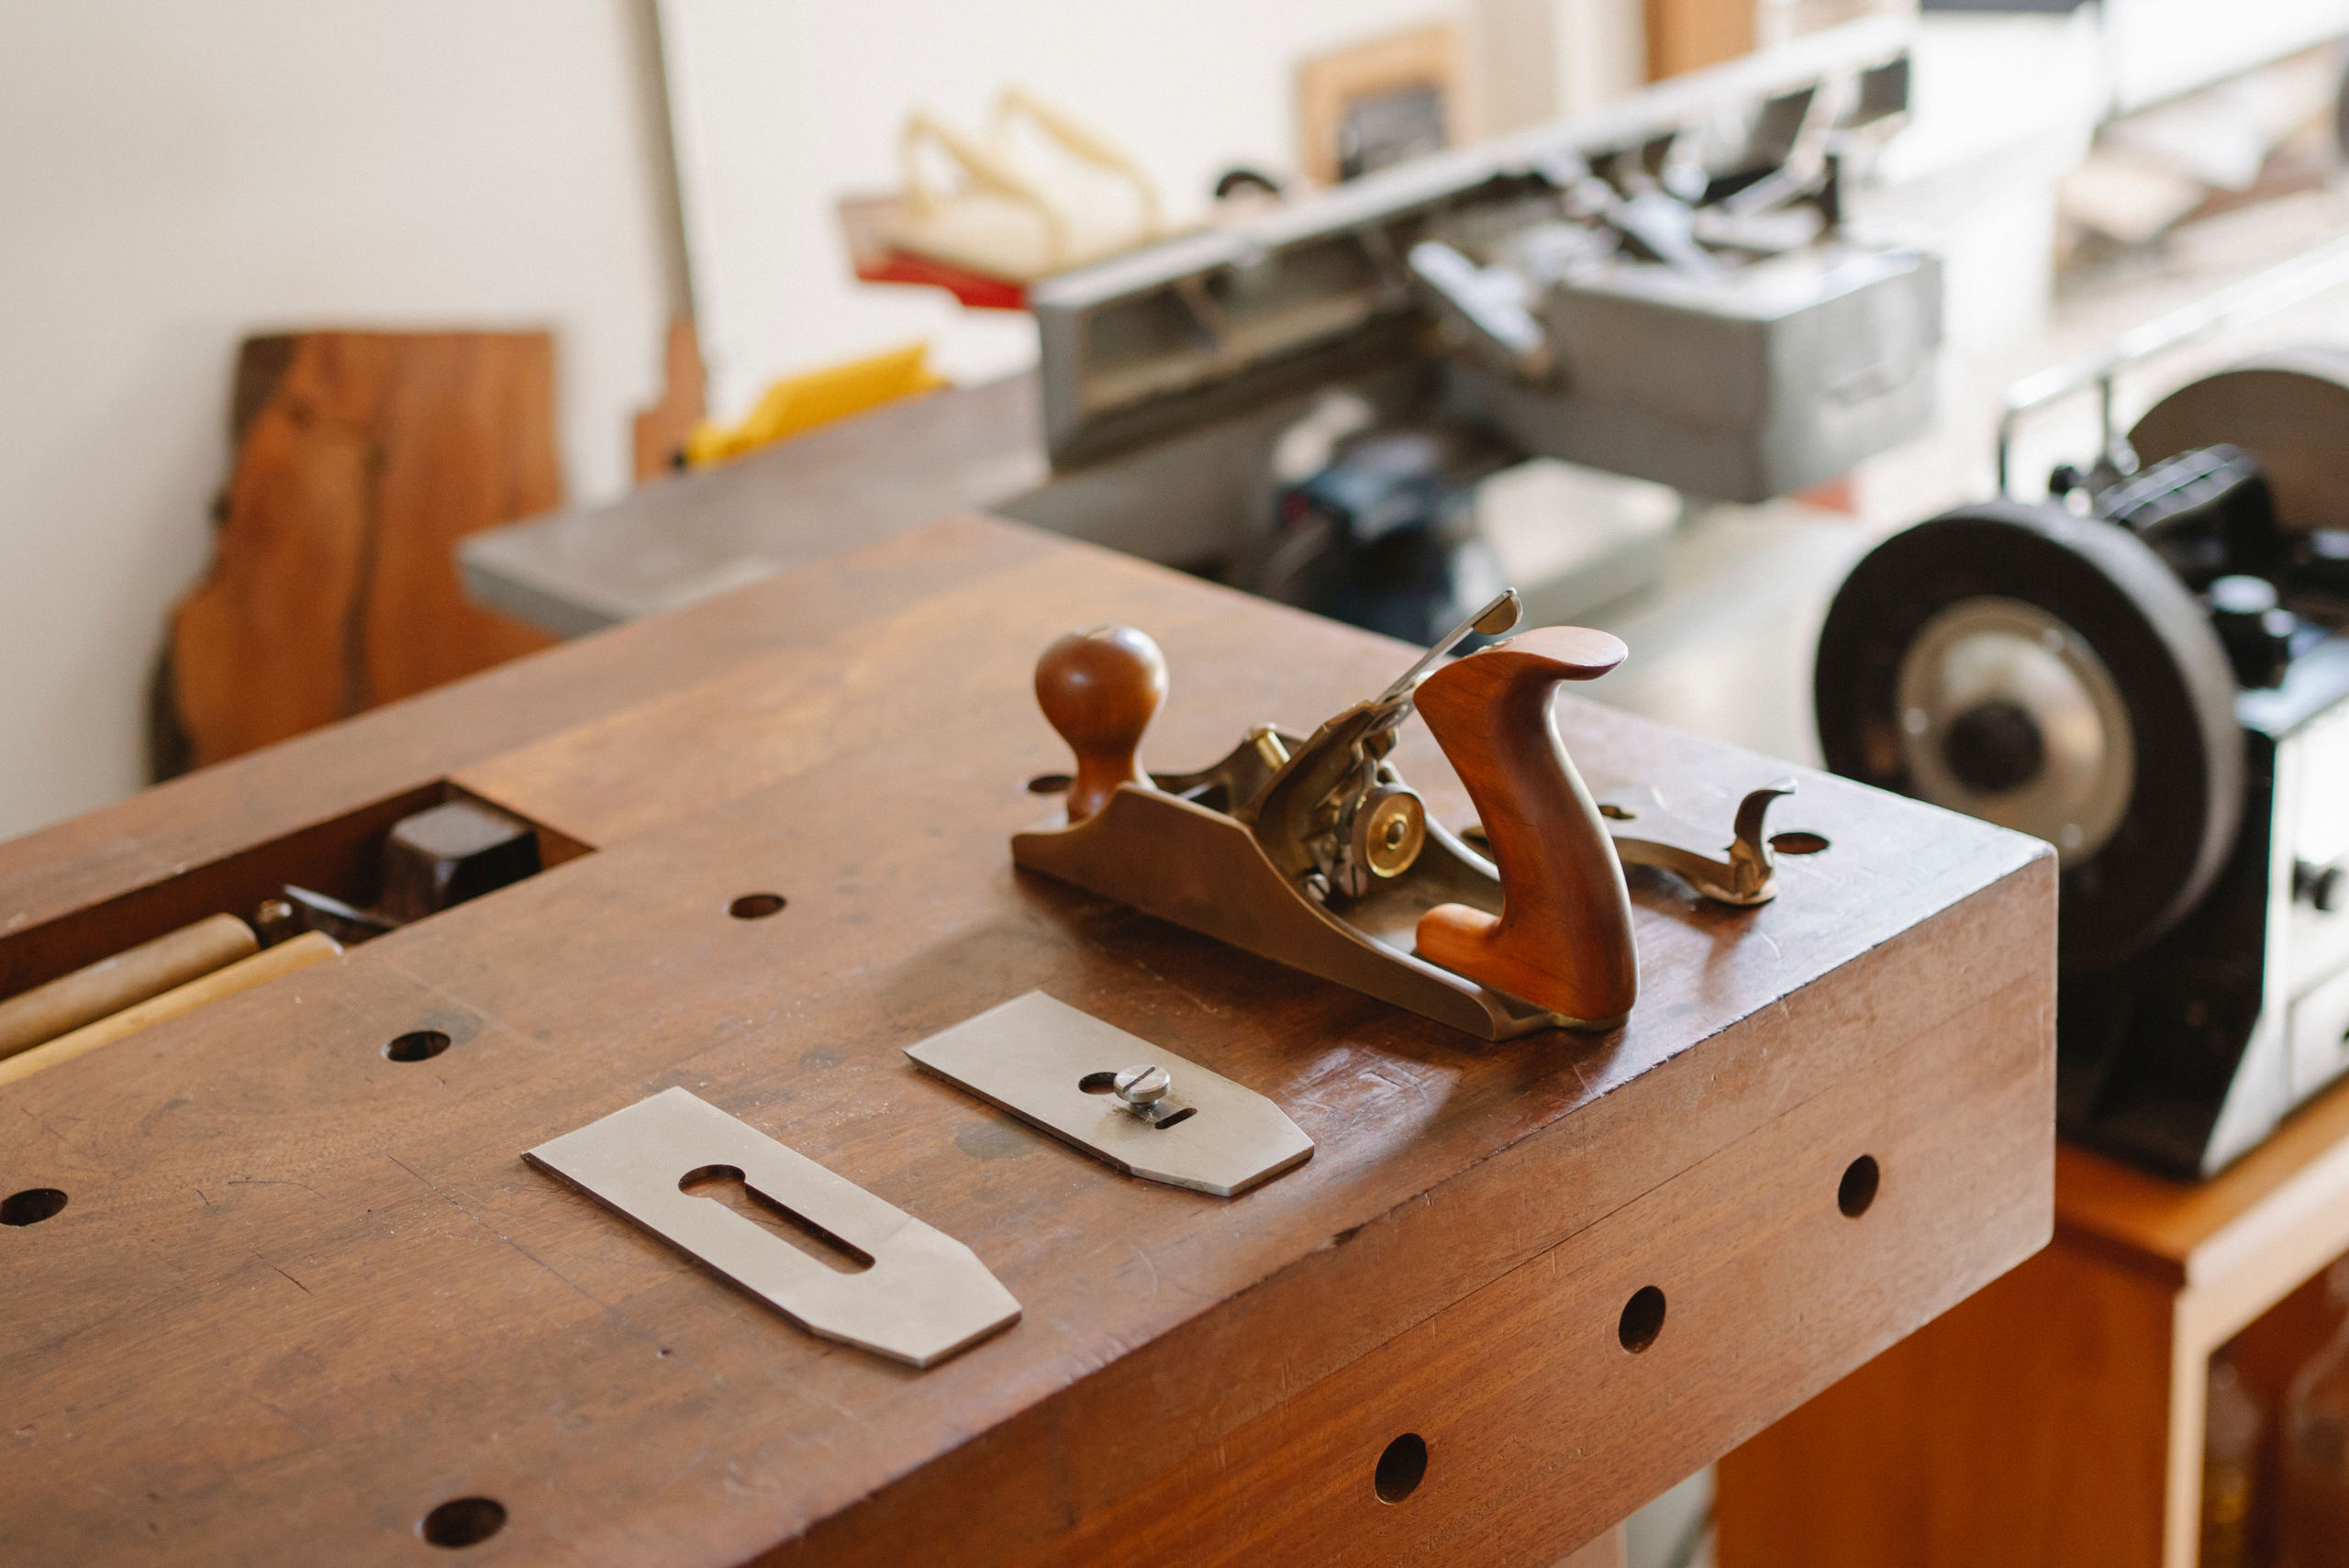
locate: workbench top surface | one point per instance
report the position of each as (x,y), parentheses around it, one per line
(302,1293)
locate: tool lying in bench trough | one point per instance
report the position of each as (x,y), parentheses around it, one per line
(1315,853)
(433,860)
(429,860)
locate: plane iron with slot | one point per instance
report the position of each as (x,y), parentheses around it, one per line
(924,1296)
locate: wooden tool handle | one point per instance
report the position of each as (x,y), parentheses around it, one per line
(1563,937)
(1101,687)
(125,980)
(299,952)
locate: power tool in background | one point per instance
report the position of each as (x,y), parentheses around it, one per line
(2148,670)
(1668,290)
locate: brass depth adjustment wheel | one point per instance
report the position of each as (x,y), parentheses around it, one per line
(2048,674)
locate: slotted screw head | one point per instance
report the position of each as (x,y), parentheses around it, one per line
(1142,1085)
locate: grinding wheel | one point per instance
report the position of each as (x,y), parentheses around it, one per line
(2289,410)
(2046,672)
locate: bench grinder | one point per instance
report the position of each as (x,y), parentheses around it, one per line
(2147,670)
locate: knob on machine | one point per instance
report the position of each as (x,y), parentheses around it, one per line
(2144,671)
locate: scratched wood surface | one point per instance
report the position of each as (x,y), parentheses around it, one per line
(302,1293)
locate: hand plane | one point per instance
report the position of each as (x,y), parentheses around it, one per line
(1315,852)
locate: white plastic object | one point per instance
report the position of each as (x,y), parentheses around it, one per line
(1012,222)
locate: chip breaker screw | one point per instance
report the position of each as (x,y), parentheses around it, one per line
(1143,1087)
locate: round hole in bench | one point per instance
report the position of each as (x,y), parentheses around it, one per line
(418,1045)
(1798,843)
(1642,1319)
(1050,784)
(756,906)
(30,1207)
(1401,1468)
(464,1521)
(1857,1190)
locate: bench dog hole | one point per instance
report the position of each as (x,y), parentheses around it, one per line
(418,1045)
(724,1184)
(756,906)
(1857,1190)
(1401,1468)
(30,1207)
(462,1521)
(1642,1319)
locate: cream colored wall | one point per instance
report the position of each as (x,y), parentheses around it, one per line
(1537,60)
(176,176)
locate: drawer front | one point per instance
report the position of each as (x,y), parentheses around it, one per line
(2319,1030)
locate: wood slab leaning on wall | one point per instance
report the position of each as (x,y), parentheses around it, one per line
(361,458)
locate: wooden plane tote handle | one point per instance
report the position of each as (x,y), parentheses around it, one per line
(1101,687)
(1563,939)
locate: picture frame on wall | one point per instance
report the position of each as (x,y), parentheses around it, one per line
(1374,105)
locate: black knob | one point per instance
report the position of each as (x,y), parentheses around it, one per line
(1994,747)
(2325,559)
(2318,886)
(2256,631)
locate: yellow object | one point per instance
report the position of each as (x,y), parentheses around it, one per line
(297,952)
(799,403)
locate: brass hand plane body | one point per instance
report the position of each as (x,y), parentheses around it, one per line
(1315,852)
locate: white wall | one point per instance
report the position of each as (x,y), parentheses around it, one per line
(1537,60)
(2159,48)
(177,174)
(782,106)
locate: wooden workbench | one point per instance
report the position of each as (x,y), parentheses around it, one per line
(2057,1417)
(301,1295)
